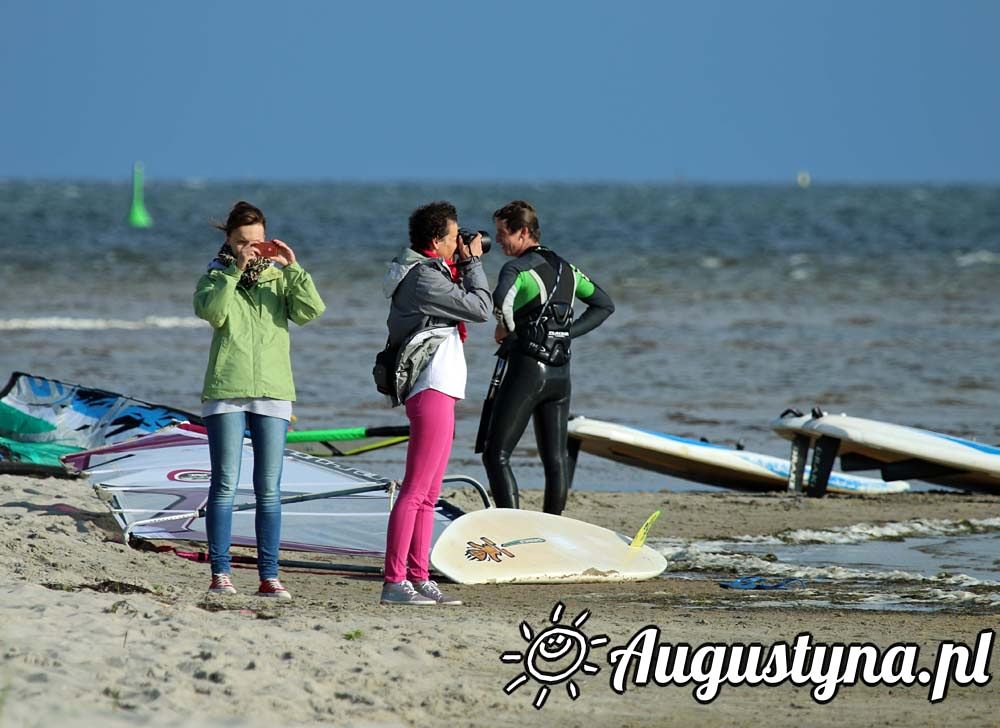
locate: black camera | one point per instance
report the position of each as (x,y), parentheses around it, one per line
(467,236)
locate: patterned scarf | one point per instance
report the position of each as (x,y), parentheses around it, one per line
(463,332)
(251,273)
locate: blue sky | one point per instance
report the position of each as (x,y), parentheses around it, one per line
(705,90)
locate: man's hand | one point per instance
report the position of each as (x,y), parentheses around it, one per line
(472,250)
(500,333)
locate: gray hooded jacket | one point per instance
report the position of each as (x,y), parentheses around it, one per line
(424,299)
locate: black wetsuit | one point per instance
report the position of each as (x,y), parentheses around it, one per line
(531,387)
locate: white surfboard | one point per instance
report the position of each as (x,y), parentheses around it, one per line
(509,546)
(899,451)
(703,462)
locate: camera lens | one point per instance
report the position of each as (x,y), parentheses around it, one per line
(467,236)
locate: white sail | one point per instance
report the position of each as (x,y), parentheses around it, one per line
(155,485)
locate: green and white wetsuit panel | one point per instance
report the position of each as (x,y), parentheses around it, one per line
(526,282)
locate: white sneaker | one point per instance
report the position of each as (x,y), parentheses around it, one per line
(430,590)
(404,594)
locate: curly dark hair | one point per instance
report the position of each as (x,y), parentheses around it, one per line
(429,222)
(518,215)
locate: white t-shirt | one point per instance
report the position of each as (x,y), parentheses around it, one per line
(280,408)
(446,371)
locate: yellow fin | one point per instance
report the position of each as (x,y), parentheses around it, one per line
(640,537)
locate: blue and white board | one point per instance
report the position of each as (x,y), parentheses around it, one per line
(511,546)
(897,450)
(704,462)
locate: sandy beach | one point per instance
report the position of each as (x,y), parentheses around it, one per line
(95,633)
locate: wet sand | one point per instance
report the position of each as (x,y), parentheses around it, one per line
(95,633)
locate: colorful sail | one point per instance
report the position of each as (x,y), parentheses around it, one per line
(42,419)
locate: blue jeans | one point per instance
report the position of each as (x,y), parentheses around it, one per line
(225,446)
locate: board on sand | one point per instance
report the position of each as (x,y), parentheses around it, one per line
(507,545)
(895,450)
(702,462)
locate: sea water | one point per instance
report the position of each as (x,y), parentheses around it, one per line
(733,303)
(920,563)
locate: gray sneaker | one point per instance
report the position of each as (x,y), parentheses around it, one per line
(430,590)
(403,594)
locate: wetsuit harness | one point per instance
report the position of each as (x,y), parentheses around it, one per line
(534,301)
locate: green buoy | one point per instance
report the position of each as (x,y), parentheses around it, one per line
(137,215)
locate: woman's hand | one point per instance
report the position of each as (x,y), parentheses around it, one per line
(245,255)
(285,256)
(500,333)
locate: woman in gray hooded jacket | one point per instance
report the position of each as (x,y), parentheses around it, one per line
(432,296)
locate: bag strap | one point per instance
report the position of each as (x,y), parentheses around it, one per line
(555,287)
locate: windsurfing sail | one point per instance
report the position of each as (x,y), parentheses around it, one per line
(42,419)
(157,486)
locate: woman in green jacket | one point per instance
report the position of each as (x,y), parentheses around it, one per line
(248,385)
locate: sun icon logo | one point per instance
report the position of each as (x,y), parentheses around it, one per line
(554,655)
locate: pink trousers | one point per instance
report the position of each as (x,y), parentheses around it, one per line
(411,523)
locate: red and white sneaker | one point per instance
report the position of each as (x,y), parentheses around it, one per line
(221,584)
(273,588)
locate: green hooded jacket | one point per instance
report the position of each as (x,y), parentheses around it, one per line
(250,343)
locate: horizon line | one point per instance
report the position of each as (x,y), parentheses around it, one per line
(677,181)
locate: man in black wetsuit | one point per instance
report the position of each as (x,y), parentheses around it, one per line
(533,302)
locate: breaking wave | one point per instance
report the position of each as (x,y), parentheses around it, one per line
(99,324)
(863,532)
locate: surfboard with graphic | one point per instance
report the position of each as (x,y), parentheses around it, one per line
(507,545)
